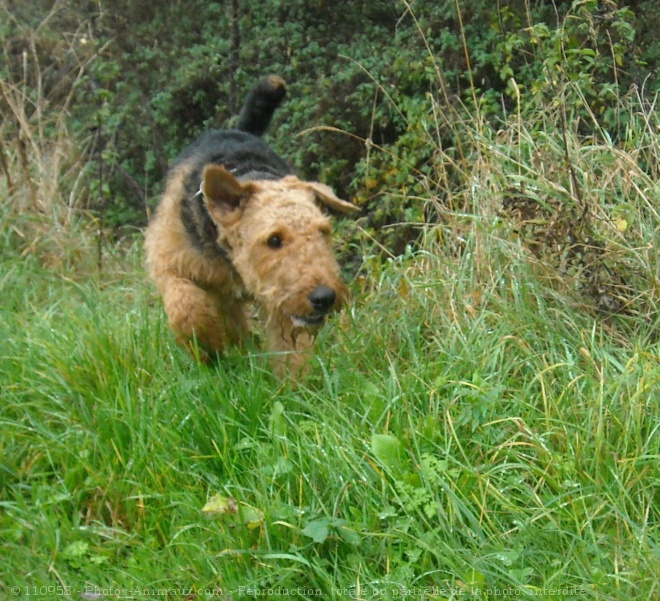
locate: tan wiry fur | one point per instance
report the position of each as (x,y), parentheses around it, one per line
(207,298)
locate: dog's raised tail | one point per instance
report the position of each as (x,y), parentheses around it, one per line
(260,104)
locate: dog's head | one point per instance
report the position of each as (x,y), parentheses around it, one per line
(279,242)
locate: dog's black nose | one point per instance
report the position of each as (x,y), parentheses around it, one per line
(322,298)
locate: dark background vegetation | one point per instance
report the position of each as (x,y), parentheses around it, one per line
(149,77)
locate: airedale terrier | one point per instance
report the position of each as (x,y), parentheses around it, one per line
(235,228)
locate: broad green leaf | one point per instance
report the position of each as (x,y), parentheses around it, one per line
(388,450)
(317,530)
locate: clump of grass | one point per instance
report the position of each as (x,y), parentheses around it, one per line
(46,177)
(581,207)
(584,205)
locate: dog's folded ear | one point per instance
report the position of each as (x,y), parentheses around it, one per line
(326,196)
(223,193)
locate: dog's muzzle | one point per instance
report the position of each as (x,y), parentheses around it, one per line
(322,300)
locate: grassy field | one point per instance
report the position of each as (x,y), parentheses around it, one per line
(456,439)
(474,426)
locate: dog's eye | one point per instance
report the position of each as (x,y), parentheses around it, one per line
(274,242)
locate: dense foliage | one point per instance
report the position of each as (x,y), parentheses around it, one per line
(141,80)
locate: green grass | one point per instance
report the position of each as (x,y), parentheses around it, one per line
(463,434)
